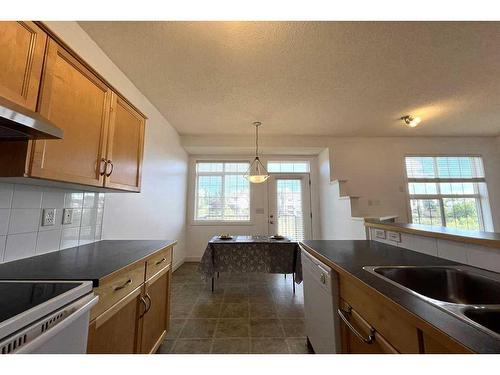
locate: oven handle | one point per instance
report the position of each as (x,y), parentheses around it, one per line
(87,301)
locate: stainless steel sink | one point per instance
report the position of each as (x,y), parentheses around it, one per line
(469,293)
(485,317)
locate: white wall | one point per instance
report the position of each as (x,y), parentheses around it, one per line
(198,234)
(336,219)
(374,169)
(373,166)
(158,212)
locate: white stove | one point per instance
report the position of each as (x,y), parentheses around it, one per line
(45,316)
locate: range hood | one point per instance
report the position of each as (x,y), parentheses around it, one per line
(18,123)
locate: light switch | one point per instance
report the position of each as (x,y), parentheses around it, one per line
(67,216)
(49,217)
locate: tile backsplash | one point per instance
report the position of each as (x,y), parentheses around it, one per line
(21,232)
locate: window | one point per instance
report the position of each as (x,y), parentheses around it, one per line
(222,193)
(447,190)
(288,166)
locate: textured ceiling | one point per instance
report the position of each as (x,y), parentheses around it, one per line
(313,78)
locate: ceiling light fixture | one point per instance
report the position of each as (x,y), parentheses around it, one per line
(411,121)
(257,173)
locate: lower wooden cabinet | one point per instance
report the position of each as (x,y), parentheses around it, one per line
(358,336)
(155,320)
(372,323)
(117,330)
(138,322)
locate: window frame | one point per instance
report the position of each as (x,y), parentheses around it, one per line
(193,217)
(479,198)
(273,160)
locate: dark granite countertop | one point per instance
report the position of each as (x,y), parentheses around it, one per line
(86,262)
(352,256)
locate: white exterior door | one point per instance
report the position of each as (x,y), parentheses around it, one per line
(289,200)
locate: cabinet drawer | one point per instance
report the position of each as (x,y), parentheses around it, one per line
(117,286)
(158,261)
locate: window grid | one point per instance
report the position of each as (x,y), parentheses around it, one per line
(288,166)
(221,192)
(445,191)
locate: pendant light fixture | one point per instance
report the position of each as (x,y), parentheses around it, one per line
(257,173)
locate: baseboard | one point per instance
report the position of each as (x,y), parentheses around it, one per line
(178,264)
(192,259)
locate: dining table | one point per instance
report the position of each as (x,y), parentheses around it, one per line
(251,253)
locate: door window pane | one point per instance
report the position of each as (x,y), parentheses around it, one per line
(288,167)
(290,214)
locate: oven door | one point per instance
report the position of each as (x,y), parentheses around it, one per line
(63,331)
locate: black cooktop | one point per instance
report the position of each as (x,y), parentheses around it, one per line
(17,297)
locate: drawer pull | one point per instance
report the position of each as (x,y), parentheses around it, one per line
(161,261)
(368,340)
(129,281)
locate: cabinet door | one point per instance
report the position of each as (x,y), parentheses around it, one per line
(155,320)
(353,336)
(125,146)
(22,49)
(117,330)
(78,102)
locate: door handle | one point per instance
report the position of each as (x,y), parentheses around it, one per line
(149,303)
(102,171)
(367,340)
(271,222)
(143,301)
(112,167)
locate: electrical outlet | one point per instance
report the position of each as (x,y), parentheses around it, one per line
(49,217)
(67,216)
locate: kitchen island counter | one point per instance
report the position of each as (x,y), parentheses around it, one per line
(348,257)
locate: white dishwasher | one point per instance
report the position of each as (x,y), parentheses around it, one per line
(321,296)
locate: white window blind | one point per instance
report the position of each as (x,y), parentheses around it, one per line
(447,190)
(452,168)
(288,167)
(222,193)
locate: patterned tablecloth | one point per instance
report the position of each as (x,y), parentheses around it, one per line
(251,254)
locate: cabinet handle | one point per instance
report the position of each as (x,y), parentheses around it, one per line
(160,261)
(368,340)
(102,171)
(145,307)
(129,281)
(149,304)
(112,167)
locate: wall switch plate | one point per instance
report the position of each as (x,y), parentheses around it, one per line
(67,216)
(49,217)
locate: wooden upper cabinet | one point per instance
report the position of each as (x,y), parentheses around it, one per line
(125,146)
(103,140)
(77,101)
(22,49)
